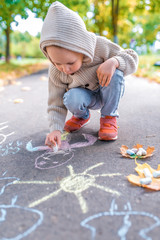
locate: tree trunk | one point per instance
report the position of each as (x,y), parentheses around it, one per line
(7,57)
(115,11)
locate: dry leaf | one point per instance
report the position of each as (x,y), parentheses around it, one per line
(154,185)
(43,78)
(18,100)
(149,151)
(25,88)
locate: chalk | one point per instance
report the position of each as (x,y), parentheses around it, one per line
(135,150)
(147,173)
(141,152)
(130,152)
(146,180)
(55,148)
(156,174)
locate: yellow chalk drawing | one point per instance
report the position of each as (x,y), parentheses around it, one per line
(64,135)
(76,184)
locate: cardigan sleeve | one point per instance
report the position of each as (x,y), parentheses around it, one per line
(56,110)
(128,58)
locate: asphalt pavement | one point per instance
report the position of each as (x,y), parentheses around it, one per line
(81,192)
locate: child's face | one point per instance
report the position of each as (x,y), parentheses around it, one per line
(65,60)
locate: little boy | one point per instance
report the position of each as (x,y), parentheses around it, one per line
(86,72)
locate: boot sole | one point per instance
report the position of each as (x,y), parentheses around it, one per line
(108,139)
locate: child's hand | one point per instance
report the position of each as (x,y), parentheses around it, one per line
(106,71)
(53,138)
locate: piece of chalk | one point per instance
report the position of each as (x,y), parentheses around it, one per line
(147,173)
(55,148)
(130,152)
(144,153)
(156,174)
(145,181)
(140,152)
(135,150)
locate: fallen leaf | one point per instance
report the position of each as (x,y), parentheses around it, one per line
(149,151)
(25,88)
(43,78)
(134,179)
(18,100)
(154,185)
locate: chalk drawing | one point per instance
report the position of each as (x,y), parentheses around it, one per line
(3,137)
(10,148)
(51,159)
(127,224)
(10,181)
(6,220)
(75,184)
(6,212)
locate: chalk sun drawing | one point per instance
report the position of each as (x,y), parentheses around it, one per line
(127,223)
(6,213)
(50,159)
(3,137)
(75,184)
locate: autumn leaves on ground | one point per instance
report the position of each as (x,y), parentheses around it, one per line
(9,72)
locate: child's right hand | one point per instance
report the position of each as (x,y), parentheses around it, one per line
(53,138)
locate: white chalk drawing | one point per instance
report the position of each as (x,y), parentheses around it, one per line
(3,136)
(10,148)
(75,184)
(50,159)
(6,213)
(127,217)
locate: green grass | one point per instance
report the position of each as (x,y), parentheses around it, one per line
(147,69)
(18,68)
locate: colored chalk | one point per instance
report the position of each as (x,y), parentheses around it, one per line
(141,152)
(146,180)
(55,148)
(130,152)
(135,150)
(147,173)
(156,174)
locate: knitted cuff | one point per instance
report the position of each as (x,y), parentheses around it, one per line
(122,63)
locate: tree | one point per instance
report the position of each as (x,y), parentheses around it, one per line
(40,7)
(10,8)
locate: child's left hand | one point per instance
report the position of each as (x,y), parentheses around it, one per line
(106,71)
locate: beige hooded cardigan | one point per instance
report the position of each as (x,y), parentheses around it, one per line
(63,27)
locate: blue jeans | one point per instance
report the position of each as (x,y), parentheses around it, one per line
(79,100)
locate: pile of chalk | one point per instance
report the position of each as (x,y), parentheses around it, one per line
(136,151)
(148,176)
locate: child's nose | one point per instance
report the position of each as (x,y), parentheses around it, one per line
(66,69)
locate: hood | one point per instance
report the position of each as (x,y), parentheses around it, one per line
(65,28)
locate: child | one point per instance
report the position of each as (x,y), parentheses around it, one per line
(86,72)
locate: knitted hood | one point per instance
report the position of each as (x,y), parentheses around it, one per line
(65,28)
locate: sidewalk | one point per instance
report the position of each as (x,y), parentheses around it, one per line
(82,192)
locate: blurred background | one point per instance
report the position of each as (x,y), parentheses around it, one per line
(130,23)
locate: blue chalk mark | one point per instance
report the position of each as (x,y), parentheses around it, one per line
(10,148)
(30,148)
(2,218)
(127,224)
(10,183)
(14,200)
(31,229)
(124,229)
(4,173)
